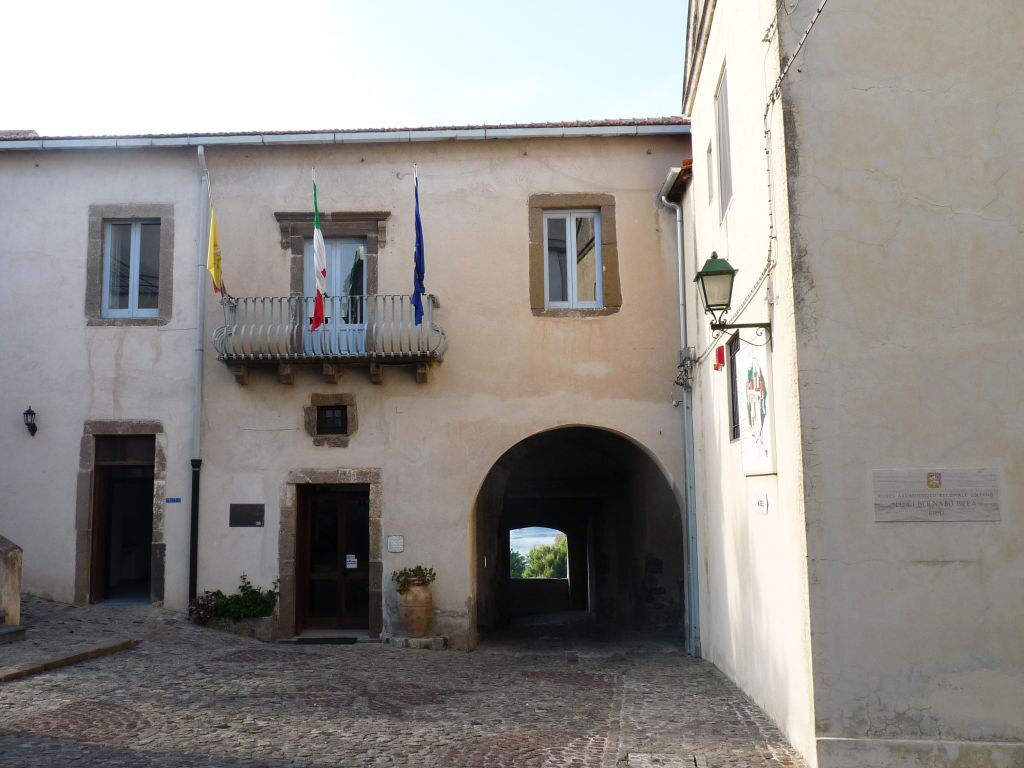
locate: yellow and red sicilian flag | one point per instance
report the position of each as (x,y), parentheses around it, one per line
(319,264)
(213,255)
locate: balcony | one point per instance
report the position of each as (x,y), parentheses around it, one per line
(373,331)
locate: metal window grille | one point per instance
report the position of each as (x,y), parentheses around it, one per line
(734,397)
(332,420)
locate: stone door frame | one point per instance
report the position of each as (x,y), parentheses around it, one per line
(286,548)
(84,502)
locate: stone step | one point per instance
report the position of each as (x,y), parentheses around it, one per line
(11,634)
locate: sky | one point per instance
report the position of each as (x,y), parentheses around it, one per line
(522,540)
(99,67)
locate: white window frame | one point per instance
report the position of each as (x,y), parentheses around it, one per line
(570,248)
(724,146)
(133,309)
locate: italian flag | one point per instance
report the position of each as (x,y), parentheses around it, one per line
(319,264)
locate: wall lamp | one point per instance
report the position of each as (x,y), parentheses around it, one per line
(30,421)
(714,284)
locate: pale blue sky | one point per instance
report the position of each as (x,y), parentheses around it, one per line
(187,66)
(522,540)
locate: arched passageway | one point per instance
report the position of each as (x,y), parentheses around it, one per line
(621,521)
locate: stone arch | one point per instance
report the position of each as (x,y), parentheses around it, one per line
(620,510)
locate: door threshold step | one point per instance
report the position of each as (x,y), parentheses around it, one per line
(12,634)
(330,637)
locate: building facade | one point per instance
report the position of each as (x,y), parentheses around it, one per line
(536,389)
(862,583)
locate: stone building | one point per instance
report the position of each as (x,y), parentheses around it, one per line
(862,579)
(537,390)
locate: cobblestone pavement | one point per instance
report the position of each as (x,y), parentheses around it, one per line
(191,697)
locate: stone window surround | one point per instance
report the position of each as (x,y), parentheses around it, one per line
(612,293)
(288,532)
(297,227)
(309,418)
(84,499)
(98,215)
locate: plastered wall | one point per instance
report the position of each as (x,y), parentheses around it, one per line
(904,123)
(70,372)
(753,579)
(507,373)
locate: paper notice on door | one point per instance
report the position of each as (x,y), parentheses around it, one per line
(351,561)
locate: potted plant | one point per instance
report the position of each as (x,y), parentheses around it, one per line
(415,604)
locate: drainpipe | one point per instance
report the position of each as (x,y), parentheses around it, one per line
(197,391)
(685,356)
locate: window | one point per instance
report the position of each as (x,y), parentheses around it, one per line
(724,155)
(572,259)
(332,420)
(129,264)
(587,282)
(711,175)
(734,399)
(131,268)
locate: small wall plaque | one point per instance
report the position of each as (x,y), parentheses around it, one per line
(246,515)
(760,504)
(936,494)
(396,543)
(172,500)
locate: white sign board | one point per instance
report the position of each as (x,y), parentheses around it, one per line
(935,495)
(396,543)
(757,420)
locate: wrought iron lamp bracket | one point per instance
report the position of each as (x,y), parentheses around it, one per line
(762,328)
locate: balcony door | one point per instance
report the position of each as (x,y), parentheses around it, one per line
(344,328)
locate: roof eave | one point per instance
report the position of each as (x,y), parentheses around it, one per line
(348,137)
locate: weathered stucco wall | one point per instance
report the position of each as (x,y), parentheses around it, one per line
(507,374)
(907,185)
(70,372)
(753,582)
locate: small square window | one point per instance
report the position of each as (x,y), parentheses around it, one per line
(332,420)
(131,268)
(572,259)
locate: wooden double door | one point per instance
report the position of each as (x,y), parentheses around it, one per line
(333,558)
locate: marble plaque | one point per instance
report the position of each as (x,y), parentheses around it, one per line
(396,543)
(936,495)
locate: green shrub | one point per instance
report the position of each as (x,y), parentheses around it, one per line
(249,602)
(406,577)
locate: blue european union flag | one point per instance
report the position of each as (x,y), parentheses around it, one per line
(420,268)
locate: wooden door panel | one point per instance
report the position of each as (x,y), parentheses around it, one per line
(334,535)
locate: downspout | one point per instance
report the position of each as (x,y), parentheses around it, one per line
(197,390)
(685,359)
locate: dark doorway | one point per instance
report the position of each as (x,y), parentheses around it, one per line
(122,524)
(623,530)
(332,565)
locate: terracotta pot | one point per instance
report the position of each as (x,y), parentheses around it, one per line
(415,607)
